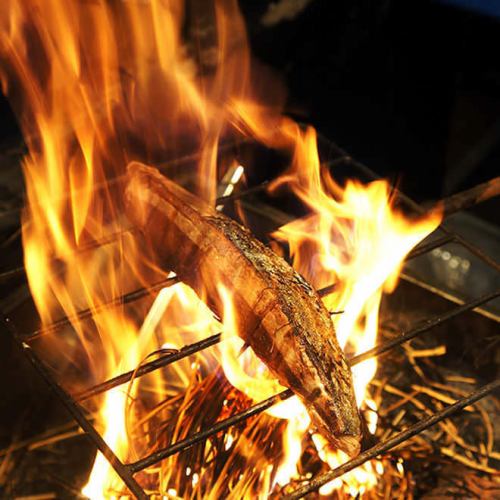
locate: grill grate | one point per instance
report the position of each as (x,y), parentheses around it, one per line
(169,356)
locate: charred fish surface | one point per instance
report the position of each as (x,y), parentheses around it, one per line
(277,312)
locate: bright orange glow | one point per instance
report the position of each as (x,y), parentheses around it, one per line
(99,84)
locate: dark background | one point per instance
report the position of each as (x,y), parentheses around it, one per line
(409,87)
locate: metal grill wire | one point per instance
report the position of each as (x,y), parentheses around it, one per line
(127,471)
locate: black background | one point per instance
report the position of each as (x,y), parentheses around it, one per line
(411,88)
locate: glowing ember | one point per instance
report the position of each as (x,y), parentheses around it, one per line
(106,83)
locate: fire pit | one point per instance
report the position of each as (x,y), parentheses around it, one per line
(169,395)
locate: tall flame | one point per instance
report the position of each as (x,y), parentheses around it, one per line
(98,84)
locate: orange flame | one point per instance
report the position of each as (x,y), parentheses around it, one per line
(105,83)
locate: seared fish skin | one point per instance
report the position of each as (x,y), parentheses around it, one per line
(278,313)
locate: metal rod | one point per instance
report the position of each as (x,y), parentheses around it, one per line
(397,439)
(427,247)
(111,238)
(473,249)
(12,273)
(264,405)
(471,197)
(76,412)
(163,360)
(87,313)
(203,435)
(423,327)
(447,296)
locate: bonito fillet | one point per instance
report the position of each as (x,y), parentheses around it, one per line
(278,313)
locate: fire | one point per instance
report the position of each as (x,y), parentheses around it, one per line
(99,84)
